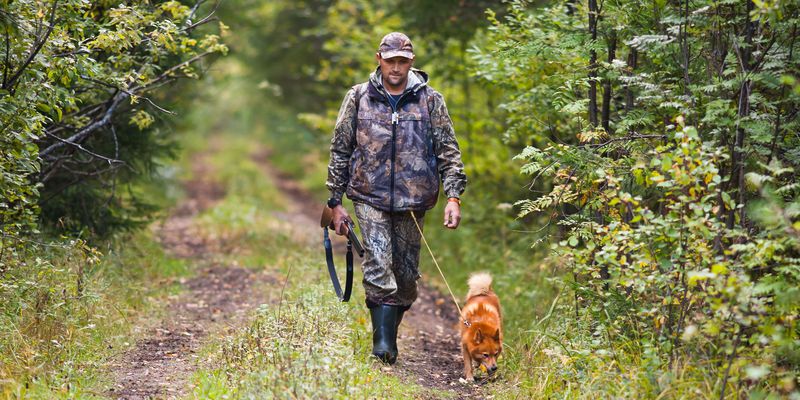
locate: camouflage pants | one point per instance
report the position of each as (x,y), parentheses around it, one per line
(391,263)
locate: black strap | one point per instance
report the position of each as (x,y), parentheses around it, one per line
(348,282)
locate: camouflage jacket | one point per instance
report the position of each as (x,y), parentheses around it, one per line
(393,160)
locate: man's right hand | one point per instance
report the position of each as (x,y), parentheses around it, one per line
(338,223)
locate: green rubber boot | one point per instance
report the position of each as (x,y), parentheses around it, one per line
(400,312)
(384,332)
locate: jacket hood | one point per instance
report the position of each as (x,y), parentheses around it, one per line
(417,79)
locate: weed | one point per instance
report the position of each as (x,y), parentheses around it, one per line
(67,308)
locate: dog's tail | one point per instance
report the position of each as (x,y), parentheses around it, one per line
(479,283)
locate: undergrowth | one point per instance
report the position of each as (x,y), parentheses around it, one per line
(309,346)
(67,308)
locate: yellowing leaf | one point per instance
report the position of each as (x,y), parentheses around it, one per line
(719,269)
(697,276)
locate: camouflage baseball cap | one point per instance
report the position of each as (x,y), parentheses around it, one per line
(396,44)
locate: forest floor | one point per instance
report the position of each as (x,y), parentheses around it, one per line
(222,296)
(217,297)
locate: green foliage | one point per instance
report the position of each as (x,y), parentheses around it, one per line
(67,308)
(78,87)
(661,144)
(282,47)
(80,143)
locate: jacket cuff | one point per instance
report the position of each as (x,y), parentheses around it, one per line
(336,195)
(453,193)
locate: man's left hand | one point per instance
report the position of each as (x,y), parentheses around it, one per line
(452,215)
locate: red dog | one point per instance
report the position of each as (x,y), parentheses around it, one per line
(481,328)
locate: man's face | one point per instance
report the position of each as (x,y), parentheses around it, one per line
(394,71)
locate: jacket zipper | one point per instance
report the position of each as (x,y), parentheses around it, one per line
(391,163)
(395,121)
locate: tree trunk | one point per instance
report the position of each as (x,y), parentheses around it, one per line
(737,157)
(606,112)
(571,7)
(466,88)
(778,127)
(685,56)
(633,58)
(593,65)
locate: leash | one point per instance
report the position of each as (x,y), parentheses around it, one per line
(348,280)
(464,320)
(352,242)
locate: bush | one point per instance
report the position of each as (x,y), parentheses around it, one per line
(78,86)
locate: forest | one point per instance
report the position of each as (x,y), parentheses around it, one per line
(632,188)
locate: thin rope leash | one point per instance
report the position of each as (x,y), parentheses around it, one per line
(414,216)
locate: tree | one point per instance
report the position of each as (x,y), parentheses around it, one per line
(79,90)
(676,166)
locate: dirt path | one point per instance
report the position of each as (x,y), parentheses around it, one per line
(428,341)
(430,348)
(219,296)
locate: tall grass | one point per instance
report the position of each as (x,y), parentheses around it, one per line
(66,308)
(309,346)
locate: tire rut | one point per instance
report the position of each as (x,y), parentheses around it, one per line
(217,298)
(430,346)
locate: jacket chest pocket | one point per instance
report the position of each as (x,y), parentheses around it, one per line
(413,129)
(410,116)
(373,135)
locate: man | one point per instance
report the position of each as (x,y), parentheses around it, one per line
(392,143)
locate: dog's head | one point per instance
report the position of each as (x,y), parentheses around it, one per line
(485,345)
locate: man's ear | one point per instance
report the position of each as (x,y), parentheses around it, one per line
(378,57)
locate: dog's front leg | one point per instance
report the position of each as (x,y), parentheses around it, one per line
(467,363)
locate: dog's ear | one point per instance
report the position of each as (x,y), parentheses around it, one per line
(478,337)
(497,334)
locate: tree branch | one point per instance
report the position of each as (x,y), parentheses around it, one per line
(193,11)
(147,99)
(626,139)
(166,73)
(87,151)
(37,47)
(114,102)
(8,58)
(96,173)
(87,130)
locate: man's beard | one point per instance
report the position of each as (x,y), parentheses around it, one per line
(396,81)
